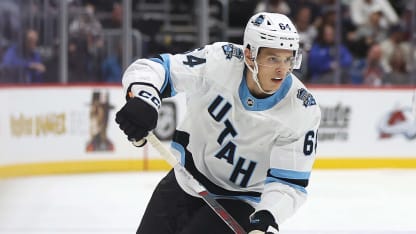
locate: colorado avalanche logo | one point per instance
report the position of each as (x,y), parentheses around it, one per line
(399,121)
(230,51)
(258,21)
(306,97)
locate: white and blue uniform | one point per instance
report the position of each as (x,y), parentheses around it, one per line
(239,146)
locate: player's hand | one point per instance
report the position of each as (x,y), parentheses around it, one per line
(136,118)
(263,222)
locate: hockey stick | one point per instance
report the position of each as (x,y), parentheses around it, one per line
(201,190)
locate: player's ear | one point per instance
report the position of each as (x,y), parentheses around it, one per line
(247,56)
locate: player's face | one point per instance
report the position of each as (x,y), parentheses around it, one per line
(273,65)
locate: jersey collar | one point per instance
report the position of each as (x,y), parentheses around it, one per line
(260,104)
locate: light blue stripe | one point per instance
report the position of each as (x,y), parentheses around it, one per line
(261,104)
(242,197)
(289,174)
(274,180)
(166,65)
(180,149)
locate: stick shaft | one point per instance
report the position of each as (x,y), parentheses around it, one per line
(202,191)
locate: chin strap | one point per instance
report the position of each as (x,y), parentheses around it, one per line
(254,72)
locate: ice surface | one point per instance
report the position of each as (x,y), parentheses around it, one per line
(340,202)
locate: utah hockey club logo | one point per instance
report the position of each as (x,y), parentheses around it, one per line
(259,20)
(230,51)
(306,97)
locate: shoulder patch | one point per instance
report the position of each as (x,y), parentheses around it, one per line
(230,51)
(306,97)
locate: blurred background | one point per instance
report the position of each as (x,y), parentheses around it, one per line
(354,42)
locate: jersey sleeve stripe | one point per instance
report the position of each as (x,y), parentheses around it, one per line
(167,89)
(296,179)
(289,174)
(286,182)
(246,198)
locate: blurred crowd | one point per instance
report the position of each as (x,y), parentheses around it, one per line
(361,42)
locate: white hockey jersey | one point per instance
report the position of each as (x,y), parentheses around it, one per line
(236,145)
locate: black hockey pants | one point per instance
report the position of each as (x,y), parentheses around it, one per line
(172,211)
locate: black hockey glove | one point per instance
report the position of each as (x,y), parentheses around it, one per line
(263,221)
(137,117)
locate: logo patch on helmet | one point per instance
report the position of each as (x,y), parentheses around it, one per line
(306,97)
(230,51)
(259,20)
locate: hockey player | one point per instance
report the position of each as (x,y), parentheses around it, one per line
(249,134)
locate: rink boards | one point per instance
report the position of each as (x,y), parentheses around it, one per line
(49,129)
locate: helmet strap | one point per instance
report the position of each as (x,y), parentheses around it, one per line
(254,72)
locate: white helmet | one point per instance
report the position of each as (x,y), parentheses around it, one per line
(272,30)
